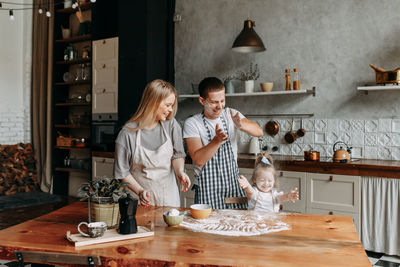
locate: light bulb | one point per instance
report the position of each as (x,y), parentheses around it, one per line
(48,14)
(74,5)
(93,1)
(11,14)
(40,10)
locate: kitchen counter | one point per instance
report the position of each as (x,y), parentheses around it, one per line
(357,167)
(312,240)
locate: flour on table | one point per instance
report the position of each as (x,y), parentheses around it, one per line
(236,222)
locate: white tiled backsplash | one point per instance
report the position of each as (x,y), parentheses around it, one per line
(370,139)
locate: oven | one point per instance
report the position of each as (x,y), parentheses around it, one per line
(104,134)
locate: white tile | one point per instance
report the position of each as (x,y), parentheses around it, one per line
(320,138)
(332,138)
(320,125)
(357,152)
(284,125)
(391,258)
(308,138)
(297,149)
(345,137)
(308,125)
(384,139)
(321,150)
(371,126)
(333,125)
(286,150)
(357,125)
(357,138)
(371,139)
(371,152)
(328,150)
(395,153)
(396,126)
(396,139)
(384,153)
(344,125)
(385,125)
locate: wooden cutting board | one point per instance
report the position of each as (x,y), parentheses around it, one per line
(109,236)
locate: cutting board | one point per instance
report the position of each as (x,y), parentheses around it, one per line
(109,236)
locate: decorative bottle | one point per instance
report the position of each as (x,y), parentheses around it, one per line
(296,81)
(287,77)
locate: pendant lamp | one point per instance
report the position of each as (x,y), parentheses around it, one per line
(248,40)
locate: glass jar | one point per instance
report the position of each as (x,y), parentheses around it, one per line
(296,80)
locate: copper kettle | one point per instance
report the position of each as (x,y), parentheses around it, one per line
(342,154)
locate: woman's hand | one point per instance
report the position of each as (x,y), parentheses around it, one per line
(243,182)
(144,197)
(184,181)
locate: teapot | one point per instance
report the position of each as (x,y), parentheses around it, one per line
(341,154)
(254,146)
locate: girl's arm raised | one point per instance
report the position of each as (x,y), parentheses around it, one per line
(293,195)
(244,183)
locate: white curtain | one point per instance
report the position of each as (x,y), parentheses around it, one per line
(380,216)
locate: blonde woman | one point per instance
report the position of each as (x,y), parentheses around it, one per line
(149,152)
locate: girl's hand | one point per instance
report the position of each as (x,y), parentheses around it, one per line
(144,197)
(184,181)
(243,182)
(293,195)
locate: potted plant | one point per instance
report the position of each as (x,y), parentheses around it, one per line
(103,195)
(228,83)
(249,77)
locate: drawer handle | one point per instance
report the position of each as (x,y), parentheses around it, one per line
(331,213)
(104,66)
(104,90)
(280,207)
(104,160)
(330,178)
(104,41)
(281,174)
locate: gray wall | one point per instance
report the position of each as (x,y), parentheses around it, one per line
(332,42)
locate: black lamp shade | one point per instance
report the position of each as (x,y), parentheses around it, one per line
(248,40)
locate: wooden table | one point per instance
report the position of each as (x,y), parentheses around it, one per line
(314,240)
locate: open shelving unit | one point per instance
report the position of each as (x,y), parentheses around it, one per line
(366,89)
(291,92)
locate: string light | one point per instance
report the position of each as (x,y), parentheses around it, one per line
(40,10)
(93,1)
(48,14)
(11,14)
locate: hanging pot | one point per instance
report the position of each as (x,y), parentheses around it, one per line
(272,128)
(290,136)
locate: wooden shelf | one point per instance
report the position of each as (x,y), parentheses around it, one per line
(73,148)
(72,104)
(74,61)
(84,126)
(366,89)
(74,82)
(70,10)
(71,170)
(76,39)
(291,92)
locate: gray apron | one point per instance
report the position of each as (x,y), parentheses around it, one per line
(219,177)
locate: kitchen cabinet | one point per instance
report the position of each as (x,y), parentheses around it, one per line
(105,79)
(102,167)
(288,180)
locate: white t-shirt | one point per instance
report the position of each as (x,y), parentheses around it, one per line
(264,201)
(194,127)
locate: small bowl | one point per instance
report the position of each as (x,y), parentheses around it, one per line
(173,220)
(266,87)
(200,211)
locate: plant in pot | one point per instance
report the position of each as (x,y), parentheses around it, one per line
(249,77)
(228,83)
(102,195)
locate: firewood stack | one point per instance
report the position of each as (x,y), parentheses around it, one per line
(17,169)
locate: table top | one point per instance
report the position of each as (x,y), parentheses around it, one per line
(313,240)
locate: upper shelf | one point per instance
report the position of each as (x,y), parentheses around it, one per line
(378,88)
(74,61)
(76,39)
(291,92)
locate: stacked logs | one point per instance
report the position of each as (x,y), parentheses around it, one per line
(17,169)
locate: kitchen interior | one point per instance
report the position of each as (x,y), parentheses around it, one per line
(335,134)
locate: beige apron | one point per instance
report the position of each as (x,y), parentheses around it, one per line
(153,170)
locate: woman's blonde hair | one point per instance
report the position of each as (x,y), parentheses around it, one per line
(264,162)
(154,93)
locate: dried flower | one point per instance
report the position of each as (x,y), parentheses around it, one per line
(252,74)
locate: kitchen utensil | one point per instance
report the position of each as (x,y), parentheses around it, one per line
(94,229)
(254,146)
(311,155)
(127,209)
(173,220)
(200,211)
(386,76)
(342,154)
(272,128)
(266,87)
(301,132)
(290,136)
(67,77)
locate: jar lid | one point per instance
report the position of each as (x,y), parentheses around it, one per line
(295,69)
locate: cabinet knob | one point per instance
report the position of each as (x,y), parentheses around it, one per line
(104,160)
(281,174)
(280,207)
(331,213)
(104,66)
(330,178)
(104,41)
(104,90)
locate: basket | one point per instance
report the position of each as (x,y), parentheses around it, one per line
(65,141)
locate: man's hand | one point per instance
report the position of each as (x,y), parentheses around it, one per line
(243,182)
(184,181)
(220,136)
(236,119)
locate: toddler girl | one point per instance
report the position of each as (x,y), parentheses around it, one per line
(263,194)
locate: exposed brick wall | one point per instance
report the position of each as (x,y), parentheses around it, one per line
(15,127)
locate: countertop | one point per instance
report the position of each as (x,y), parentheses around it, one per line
(358,167)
